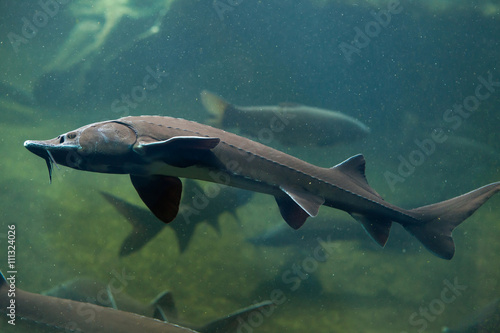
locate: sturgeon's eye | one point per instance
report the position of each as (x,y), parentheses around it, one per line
(61,140)
(71,135)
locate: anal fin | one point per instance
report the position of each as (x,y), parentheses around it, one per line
(377,228)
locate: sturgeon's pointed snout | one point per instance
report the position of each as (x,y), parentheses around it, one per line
(36,147)
(52,151)
(40,148)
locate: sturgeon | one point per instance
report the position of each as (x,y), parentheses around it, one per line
(329,229)
(288,123)
(145,226)
(485,320)
(155,151)
(162,307)
(73,316)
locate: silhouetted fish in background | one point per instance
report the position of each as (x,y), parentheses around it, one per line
(156,150)
(311,238)
(466,145)
(73,316)
(486,320)
(332,230)
(162,307)
(145,226)
(291,124)
(16,94)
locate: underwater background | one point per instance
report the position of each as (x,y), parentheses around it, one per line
(69,63)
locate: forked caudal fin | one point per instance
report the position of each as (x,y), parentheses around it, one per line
(215,105)
(439,220)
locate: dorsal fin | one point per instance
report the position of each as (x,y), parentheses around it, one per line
(354,167)
(164,306)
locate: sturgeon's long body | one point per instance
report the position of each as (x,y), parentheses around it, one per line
(72,316)
(162,307)
(156,150)
(291,124)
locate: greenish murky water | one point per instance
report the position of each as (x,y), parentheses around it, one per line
(84,62)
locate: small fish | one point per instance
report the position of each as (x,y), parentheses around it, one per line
(486,320)
(290,124)
(162,307)
(145,226)
(72,316)
(155,151)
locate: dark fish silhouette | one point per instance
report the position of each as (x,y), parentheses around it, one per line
(332,230)
(291,124)
(162,307)
(145,226)
(155,151)
(486,320)
(73,316)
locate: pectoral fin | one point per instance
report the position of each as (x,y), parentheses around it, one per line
(178,151)
(161,194)
(298,205)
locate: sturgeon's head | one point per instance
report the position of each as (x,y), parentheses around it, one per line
(99,147)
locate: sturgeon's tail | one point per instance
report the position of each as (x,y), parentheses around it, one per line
(216,107)
(439,219)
